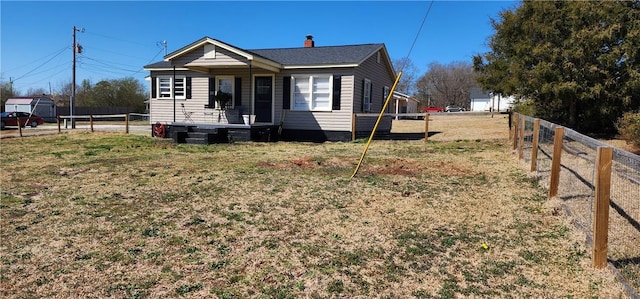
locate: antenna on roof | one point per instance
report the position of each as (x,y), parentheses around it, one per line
(163,44)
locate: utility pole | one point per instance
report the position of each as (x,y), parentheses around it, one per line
(72,101)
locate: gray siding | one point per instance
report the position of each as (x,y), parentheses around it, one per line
(223,57)
(234,65)
(380,77)
(336,120)
(162,110)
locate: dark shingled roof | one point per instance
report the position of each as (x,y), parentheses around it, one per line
(319,55)
(329,55)
(159,64)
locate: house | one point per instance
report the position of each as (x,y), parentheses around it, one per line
(306,93)
(402,103)
(39,105)
(489,101)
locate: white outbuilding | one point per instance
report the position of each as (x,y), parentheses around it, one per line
(39,105)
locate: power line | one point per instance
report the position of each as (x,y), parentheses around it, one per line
(420,29)
(39,66)
(108,63)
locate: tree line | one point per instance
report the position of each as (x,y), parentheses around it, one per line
(126,92)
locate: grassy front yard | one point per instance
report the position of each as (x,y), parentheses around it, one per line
(109,215)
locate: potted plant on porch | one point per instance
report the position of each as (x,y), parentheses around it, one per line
(222,99)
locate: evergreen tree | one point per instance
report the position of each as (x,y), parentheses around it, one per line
(577,61)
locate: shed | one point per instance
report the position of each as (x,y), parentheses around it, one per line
(39,105)
(480,100)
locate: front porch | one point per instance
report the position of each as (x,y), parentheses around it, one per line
(206,133)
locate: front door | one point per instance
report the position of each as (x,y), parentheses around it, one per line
(263,96)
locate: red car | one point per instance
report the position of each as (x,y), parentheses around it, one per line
(11,119)
(432,109)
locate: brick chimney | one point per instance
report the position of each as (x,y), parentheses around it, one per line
(308,43)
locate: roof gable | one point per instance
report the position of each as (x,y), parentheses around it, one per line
(283,58)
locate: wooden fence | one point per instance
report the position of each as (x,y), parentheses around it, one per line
(66,121)
(608,202)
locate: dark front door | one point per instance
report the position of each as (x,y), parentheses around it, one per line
(263,99)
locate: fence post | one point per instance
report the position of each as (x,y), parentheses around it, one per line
(58,118)
(515,130)
(126,123)
(426,127)
(534,146)
(20,125)
(510,122)
(604,156)
(91,122)
(521,137)
(353,126)
(555,162)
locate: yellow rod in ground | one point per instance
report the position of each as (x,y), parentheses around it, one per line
(375,127)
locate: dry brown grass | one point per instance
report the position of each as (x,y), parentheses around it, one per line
(111,215)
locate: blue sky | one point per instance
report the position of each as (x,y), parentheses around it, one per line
(120,37)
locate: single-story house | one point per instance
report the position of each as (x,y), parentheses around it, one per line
(306,93)
(39,105)
(402,103)
(488,101)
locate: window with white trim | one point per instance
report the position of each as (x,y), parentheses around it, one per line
(165,86)
(366,97)
(225,84)
(311,92)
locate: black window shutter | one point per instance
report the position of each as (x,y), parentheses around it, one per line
(362,97)
(384,98)
(153,87)
(238,92)
(371,97)
(188,87)
(337,82)
(212,92)
(286,92)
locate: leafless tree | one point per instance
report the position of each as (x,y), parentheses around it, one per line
(446,85)
(409,74)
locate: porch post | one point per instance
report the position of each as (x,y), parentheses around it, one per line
(250,92)
(173,91)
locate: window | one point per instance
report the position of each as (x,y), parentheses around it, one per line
(225,84)
(165,85)
(311,92)
(366,96)
(385,94)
